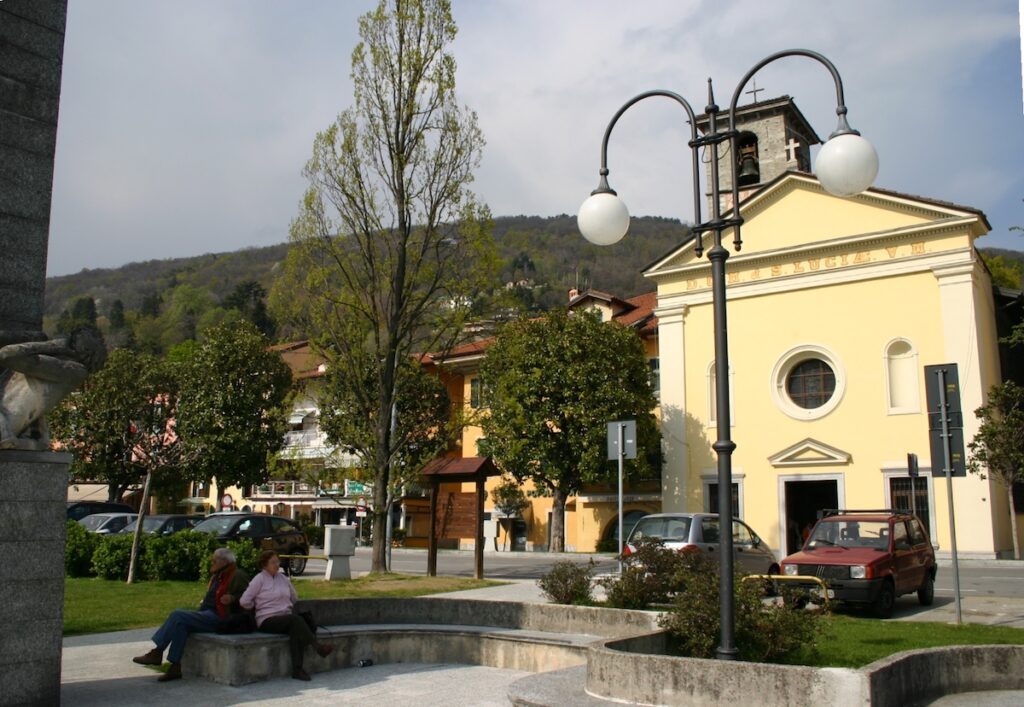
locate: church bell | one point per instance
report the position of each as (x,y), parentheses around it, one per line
(748,172)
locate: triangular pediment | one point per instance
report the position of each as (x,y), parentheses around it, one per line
(810,452)
(794,213)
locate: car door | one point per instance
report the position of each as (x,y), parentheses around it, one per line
(257,530)
(710,536)
(749,552)
(905,564)
(286,536)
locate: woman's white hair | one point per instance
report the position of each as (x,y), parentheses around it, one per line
(225,554)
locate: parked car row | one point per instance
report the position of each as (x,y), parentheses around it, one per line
(265,532)
(864,558)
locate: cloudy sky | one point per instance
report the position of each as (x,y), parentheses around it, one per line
(184,124)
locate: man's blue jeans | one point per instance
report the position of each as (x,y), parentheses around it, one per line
(179,625)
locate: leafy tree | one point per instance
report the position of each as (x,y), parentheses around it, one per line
(115,425)
(554,385)
(249,298)
(151,304)
(117,320)
(1005,273)
(390,248)
(231,414)
(998,447)
(510,501)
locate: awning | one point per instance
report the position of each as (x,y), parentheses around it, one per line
(323,503)
(87,492)
(195,501)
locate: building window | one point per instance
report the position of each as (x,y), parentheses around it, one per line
(808,382)
(711,498)
(477,393)
(811,383)
(654,369)
(902,488)
(901,379)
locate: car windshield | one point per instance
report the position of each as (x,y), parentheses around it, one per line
(850,533)
(149,525)
(668,528)
(215,524)
(94,521)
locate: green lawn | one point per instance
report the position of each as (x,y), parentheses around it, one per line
(854,642)
(97,605)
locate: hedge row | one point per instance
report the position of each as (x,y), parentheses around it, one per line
(182,556)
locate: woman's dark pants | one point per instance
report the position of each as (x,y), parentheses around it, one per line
(297,630)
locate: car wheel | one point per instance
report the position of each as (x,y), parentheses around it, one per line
(296,566)
(771,588)
(926,592)
(885,601)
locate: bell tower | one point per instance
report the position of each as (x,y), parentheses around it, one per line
(775,137)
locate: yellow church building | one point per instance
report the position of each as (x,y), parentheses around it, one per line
(835,308)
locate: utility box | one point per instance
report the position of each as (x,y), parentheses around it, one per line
(339,546)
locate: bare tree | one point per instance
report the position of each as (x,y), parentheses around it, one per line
(390,249)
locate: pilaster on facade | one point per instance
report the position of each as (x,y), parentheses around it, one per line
(672,347)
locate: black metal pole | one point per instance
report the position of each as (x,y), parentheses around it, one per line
(724,445)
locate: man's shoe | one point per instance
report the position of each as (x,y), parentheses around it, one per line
(300,674)
(173,673)
(324,649)
(154,657)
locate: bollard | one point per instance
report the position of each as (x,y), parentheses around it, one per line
(339,546)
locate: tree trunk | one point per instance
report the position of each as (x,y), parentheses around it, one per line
(138,528)
(1013,522)
(379,564)
(558,522)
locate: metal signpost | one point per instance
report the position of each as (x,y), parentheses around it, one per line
(942,388)
(621,446)
(913,469)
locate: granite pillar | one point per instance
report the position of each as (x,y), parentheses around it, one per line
(31,56)
(33,512)
(33,485)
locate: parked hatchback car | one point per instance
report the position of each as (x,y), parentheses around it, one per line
(165,524)
(80,509)
(867,558)
(266,533)
(107,523)
(701,532)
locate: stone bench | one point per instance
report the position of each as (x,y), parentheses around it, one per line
(528,637)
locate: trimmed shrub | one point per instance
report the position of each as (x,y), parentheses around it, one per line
(772,633)
(182,556)
(314,534)
(79,546)
(568,583)
(113,554)
(246,555)
(607,545)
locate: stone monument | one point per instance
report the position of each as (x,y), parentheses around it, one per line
(33,483)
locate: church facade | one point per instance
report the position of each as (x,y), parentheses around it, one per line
(835,306)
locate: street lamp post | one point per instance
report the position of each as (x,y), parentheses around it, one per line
(846,165)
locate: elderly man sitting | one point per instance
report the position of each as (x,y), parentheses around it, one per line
(227,583)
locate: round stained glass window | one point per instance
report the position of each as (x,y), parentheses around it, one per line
(811,383)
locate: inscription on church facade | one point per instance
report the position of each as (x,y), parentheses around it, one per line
(810,265)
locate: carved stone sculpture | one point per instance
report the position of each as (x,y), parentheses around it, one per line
(34,377)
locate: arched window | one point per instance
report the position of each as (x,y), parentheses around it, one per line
(903,393)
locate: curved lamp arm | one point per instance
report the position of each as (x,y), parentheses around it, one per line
(842,129)
(603,188)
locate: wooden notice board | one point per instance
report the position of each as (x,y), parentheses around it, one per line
(456,515)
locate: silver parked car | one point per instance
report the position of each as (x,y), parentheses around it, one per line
(107,523)
(700,532)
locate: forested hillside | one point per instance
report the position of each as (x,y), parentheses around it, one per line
(156,304)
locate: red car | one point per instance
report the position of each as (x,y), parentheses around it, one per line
(867,558)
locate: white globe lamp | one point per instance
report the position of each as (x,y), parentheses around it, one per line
(847,165)
(603,219)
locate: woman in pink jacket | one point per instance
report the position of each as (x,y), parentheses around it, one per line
(272,595)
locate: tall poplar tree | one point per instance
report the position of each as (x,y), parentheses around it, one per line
(390,250)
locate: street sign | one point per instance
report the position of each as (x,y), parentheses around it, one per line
(628,437)
(957,461)
(226,501)
(356,488)
(360,514)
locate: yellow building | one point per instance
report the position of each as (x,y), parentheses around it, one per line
(834,308)
(591,516)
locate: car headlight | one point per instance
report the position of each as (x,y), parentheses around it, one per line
(790,570)
(858,572)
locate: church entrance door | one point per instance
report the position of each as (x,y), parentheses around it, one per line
(804,500)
